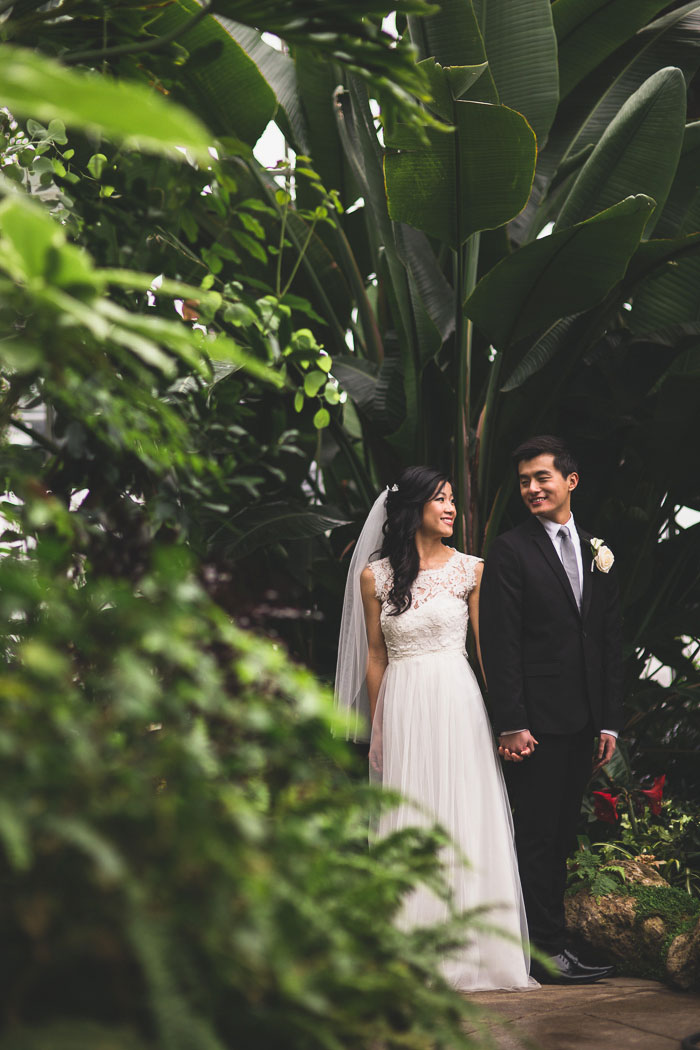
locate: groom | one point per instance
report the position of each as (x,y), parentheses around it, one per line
(550,630)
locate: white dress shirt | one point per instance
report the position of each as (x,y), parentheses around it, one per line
(552,530)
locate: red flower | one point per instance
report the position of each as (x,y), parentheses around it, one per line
(605,806)
(655,794)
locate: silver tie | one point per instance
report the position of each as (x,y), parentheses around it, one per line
(568,557)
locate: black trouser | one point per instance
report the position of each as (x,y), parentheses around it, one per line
(545,791)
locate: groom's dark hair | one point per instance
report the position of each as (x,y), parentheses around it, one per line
(547,445)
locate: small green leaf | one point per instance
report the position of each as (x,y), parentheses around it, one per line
(240,314)
(57,131)
(331,395)
(322,418)
(42,165)
(298,400)
(96,165)
(313,381)
(325,363)
(250,245)
(252,224)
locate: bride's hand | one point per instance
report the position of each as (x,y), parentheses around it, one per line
(514,747)
(375,753)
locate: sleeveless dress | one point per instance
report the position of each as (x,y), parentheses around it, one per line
(434,743)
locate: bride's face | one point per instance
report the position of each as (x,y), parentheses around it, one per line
(439,512)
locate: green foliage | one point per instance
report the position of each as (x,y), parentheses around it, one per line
(637,823)
(476,178)
(181,847)
(31,85)
(570,326)
(200,447)
(671,904)
(679,914)
(592,869)
(183,842)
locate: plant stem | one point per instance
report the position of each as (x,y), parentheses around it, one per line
(633,819)
(278,274)
(45,442)
(300,258)
(467,258)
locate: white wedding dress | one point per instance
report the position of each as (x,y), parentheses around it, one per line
(438,750)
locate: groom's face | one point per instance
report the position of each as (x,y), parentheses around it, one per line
(544,489)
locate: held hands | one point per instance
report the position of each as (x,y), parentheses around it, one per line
(514,747)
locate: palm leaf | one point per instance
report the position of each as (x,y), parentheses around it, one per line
(273,522)
(590,30)
(638,153)
(521,48)
(558,275)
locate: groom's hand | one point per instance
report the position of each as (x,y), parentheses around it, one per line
(514,747)
(606,750)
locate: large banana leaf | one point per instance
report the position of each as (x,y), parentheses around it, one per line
(672,40)
(669,297)
(270,523)
(638,153)
(431,284)
(521,48)
(279,71)
(219,81)
(558,275)
(476,178)
(452,37)
(316,83)
(362,149)
(682,211)
(545,348)
(590,30)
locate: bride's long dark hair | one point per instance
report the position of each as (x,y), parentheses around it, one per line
(404,516)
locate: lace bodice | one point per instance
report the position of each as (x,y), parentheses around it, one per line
(438,617)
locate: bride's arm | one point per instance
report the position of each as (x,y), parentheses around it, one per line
(377,658)
(473,606)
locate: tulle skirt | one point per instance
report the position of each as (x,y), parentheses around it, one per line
(437,749)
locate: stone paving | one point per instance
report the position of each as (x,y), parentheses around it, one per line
(618,1014)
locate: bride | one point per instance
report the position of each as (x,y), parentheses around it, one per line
(402,666)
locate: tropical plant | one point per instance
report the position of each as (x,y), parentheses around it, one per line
(184,844)
(184,858)
(526,261)
(637,823)
(481,317)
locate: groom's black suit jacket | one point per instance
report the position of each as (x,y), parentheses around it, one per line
(549,668)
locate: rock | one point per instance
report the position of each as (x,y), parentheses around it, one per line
(641,930)
(683,959)
(605,924)
(641,872)
(653,933)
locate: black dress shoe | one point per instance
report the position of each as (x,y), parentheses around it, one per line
(572,957)
(564,971)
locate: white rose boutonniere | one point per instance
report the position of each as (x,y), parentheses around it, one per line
(603,557)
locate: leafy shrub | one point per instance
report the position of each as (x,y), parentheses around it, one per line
(638,823)
(185,856)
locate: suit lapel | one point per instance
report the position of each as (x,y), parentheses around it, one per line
(546,547)
(587,560)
